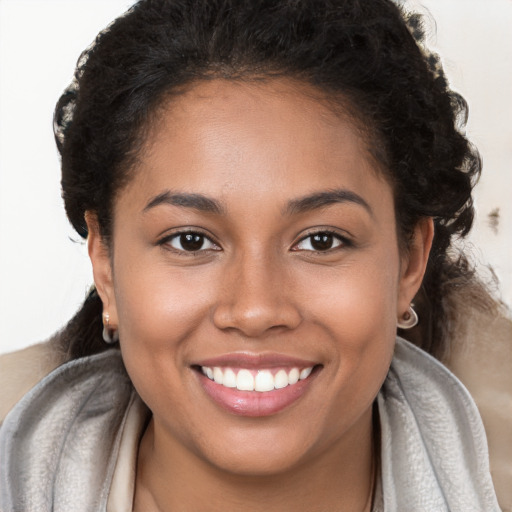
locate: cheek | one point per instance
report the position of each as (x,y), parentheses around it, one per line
(357,306)
(159,309)
(159,304)
(358,300)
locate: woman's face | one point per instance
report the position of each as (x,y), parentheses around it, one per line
(256,245)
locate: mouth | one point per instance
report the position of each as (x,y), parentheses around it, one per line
(256,386)
(260,380)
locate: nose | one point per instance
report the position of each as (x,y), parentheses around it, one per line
(256,298)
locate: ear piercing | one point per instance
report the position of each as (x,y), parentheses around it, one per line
(110,334)
(409,319)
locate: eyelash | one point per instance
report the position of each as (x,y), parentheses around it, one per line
(343,242)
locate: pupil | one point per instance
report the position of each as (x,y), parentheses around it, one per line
(191,241)
(322,241)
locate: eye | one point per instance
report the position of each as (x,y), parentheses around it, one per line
(321,241)
(190,242)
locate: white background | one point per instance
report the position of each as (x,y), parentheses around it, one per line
(44,270)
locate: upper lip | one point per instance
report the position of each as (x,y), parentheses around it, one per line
(263,360)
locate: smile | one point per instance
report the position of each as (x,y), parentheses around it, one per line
(256,380)
(256,384)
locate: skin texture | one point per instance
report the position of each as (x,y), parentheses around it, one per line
(257,286)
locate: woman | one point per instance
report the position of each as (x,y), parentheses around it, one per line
(265,188)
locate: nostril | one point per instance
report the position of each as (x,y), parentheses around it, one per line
(256,321)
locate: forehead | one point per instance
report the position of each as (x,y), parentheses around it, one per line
(276,137)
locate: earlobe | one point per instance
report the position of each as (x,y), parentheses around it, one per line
(415,264)
(101,266)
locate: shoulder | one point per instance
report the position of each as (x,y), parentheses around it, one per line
(433,452)
(421,381)
(481,357)
(21,370)
(67,428)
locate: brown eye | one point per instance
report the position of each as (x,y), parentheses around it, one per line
(320,242)
(191,242)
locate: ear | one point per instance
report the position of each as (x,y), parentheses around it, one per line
(414,264)
(101,267)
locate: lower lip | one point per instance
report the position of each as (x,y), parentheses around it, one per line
(255,403)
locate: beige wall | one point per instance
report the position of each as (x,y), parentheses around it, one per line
(474,39)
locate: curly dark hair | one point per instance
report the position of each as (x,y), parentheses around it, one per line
(367,53)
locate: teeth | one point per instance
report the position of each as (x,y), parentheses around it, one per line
(245,381)
(262,381)
(229,379)
(217,375)
(293,376)
(304,374)
(281,379)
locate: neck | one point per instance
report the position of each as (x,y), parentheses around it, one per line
(342,479)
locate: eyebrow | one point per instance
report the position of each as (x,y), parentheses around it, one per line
(304,204)
(195,201)
(325,198)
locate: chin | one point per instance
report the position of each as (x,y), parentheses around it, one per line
(259,461)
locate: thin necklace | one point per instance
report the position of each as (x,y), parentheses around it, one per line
(369,502)
(375,458)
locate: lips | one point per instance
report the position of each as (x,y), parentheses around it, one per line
(256,385)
